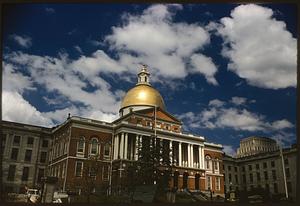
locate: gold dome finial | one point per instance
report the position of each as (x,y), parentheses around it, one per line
(143,76)
(143,94)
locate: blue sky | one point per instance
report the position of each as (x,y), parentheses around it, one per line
(228,71)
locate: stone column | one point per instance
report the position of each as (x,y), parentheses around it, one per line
(136,147)
(117,146)
(192,156)
(122,146)
(200,156)
(179,155)
(171,152)
(189,156)
(126,146)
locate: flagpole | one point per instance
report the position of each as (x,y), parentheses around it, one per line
(283,170)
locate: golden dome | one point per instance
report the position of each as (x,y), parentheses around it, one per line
(143,95)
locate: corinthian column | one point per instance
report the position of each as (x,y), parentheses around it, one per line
(126,146)
(179,155)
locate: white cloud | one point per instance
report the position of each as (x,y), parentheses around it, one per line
(14,80)
(205,66)
(59,75)
(229,150)
(221,115)
(154,39)
(238,100)
(259,47)
(15,108)
(23,41)
(77,48)
(216,103)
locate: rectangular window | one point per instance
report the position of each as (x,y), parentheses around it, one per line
(43,157)
(265,165)
(272,164)
(92,172)
(251,177)
(30,141)
(25,173)
(28,154)
(218,183)
(266,175)
(11,173)
(216,165)
(17,140)
(274,174)
(208,183)
(106,150)
(235,169)
(105,173)
(287,172)
(236,179)
(229,168)
(14,153)
(229,178)
(267,187)
(244,178)
(289,187)
(45,143)
(40,175)
(286,161)
(250,167)
(258,176)
(78,169)
(257,166)
(275,188)
(243,168)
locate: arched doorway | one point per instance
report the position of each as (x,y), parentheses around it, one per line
(197,184)
(175,180)
(185,180)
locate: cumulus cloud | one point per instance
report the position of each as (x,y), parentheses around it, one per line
(23,41)
(238,100)
(16,108)
(259,47)
(154,39)
(57,75)
(221,115)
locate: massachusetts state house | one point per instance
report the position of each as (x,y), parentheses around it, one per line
(195,163)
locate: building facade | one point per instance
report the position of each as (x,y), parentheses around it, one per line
(262,170)
(24,155)
(78,144)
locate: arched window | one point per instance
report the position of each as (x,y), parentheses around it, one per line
(94,146)
(81,145)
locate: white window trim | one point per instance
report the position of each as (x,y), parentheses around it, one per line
(218,183)
(206,182)
(80,153)
(80,169)
(97,147)
(109,149)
